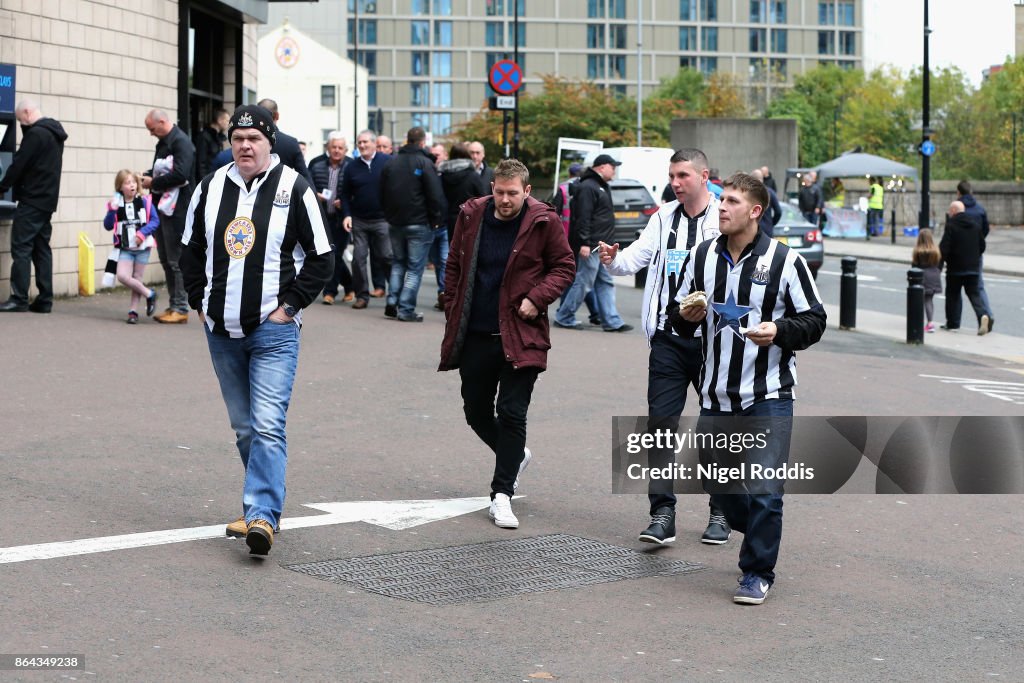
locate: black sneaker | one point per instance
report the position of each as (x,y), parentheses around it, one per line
(133,318)
(151,303)
(416,317)
(595,319)
(390,311)
(663,527)
(718,530)
(624,327)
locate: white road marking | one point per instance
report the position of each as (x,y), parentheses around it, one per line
(1012,392)
(391,514)
(860,278)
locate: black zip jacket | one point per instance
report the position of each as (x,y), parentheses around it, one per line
(410,190)
(962,245)
(460,183)
(175,144)
(591,212)
(35,171)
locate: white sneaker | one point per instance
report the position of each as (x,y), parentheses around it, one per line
(527,457)
(501,512)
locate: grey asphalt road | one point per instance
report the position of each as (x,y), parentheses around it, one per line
(109,429)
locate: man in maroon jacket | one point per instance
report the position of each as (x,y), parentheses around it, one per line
(509,259)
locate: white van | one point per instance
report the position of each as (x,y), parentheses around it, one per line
(649,165)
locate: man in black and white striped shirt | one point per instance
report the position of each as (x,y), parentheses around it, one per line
(256,253)
(764,306)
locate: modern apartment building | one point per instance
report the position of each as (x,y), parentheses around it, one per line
(428,59)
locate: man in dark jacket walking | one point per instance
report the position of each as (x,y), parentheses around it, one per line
(508,262)
(364,217)
(962,245)
(174,146)
(810,199)
(327,171)
(35,177)
(211,141)
(974,209)
(286,147)
(413,204)
(592,221)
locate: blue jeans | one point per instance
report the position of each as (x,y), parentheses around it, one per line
(256,374)
(410,245)
(590,275)
(758,516)
(439,255)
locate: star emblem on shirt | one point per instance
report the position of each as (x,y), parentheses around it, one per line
(729,314)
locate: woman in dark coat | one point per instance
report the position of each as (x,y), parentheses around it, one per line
(460,182)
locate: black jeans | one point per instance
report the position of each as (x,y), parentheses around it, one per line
(954,305)
(339,243)
(30,246)
(674,364)
(485,375)
(371,239)
(758,516)
(168,248)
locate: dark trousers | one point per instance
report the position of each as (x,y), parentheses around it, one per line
(30,246)
(758,516)
(674,364)
(168,248)
(955,305)
(501,425)
(339,243)
(371,240)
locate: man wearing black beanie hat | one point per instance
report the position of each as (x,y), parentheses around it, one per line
(256,253)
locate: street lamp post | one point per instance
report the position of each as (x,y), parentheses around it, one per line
(924,217)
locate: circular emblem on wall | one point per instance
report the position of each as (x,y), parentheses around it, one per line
(287,52)
(239,237)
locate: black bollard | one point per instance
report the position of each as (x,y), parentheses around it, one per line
(915,306)
(848,294)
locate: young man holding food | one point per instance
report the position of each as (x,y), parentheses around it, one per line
(764,306)
(674,361)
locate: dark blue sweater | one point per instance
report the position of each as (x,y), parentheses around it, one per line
(496,240)
(360,188)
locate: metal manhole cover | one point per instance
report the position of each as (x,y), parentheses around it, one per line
(492,571)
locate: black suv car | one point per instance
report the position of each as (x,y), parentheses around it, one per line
(634,206)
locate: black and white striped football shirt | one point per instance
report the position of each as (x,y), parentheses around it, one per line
(770,282)
(247,251)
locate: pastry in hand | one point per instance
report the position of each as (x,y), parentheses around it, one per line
(694,299)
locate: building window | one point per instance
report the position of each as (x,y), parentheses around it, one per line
(418,94)
(421,119)
(778,12)
(847,14)
(420,63)
(779,68)
(494,34)
(619,89)
(367,58)
(441,95)
(826,42)
(618,66)
(779,40)
(522,34)
(688,38)
(617,9)
(847,43)
(595,9)
(617,36)
(826,13)
(498,8)
(421,7)
(365,6)
(328,95)
(595,67)
(708,65)
(756,69)
(709,10)
(687,10)
(758,41)
(371,94)
(757,11)
(709,38)
(441,124)
(443,33)
(420,32)
(495,8)
(595,36)
(687,62)
(367,31)
(443,8)
(442,64)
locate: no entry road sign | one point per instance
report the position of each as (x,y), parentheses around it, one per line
(505,77)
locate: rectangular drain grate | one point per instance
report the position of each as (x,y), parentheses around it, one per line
(493,571)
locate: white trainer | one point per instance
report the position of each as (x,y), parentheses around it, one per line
(501,512)
(527,457)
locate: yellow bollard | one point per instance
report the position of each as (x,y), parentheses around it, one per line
(86,266)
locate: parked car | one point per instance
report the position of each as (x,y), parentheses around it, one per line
(634,206)
(805,238)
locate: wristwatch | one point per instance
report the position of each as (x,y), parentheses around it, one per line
(289,310)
